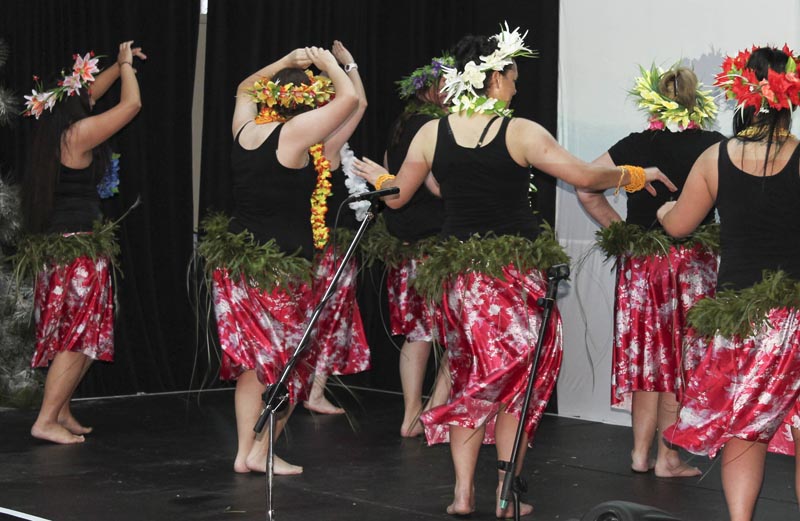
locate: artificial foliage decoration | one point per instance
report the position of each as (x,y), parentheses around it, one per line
(424,77)
(623,239)
(488,255)
(264,265)
(779,90)
(740,313)
(664,111)
(461,86)
(268,93)
(319,197)
(10,213)
(9,107)
(379,245)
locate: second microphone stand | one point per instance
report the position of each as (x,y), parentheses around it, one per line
(276,396)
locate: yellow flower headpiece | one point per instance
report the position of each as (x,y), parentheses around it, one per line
(664,111)
(268,93)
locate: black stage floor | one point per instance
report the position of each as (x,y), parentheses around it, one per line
(168,457)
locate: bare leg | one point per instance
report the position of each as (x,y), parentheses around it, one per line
(644,412)
(796,437)
(668,462)
(742,474)
(62,379)
(316,398)
(257,459)
(441,386)
(505,432)
(413,361)
(65,417)
(465,445)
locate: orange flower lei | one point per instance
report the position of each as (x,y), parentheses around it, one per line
(319,197)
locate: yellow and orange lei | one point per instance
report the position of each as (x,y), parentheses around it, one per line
(319,197)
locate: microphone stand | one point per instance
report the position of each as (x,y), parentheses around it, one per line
(512,483)
(276,396)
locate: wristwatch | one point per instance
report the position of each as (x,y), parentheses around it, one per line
(350,67)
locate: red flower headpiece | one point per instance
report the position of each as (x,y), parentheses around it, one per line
(779,90)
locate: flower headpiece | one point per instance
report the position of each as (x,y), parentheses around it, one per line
(81,76)
(664,111)
(269,93)
(425,76)
(779,90)
(461,86)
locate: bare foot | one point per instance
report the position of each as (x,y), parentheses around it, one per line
(280,467)
(411,429)
(508,513)
(463,503)
(642,464)
(240,464)
(681,470)
(455,509)
(321,405)
(72,425)
(55,433)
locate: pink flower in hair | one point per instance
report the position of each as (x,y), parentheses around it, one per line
(85,67)
(72,84)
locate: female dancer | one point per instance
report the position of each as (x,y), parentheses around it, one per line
(340,334)
(659,280)
(260,260)
(480,158)
(749,377)
(73,302)
(419,219)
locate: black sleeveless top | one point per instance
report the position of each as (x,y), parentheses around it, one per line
(347,217)
(759,222)
(76,204)
(270,200)
(673,153)
(484,189)
(423,214)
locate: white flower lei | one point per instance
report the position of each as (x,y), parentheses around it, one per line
(355,184)
(460,87)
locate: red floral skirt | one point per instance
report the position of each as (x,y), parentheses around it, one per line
(260,331)
(491,326)
(74,311)
(408,311)
(339,331)
(743,389)
(653,296)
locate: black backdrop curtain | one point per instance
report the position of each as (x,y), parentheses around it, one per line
(388,40)
(155,326)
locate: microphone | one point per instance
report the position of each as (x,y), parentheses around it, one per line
(370,196)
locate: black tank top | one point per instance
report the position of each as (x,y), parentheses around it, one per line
(421,216)
(270,200)
(76,204)
(759,222)
(339,192)
(484,189)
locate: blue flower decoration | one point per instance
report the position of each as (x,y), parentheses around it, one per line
(109,184)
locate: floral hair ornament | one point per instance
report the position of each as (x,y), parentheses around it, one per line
(425,76)
(665,111)
(460,86)
(779,90)
(268,93)
(81,76)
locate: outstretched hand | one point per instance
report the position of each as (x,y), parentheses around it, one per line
(321,58)
(368,169)
(340,52)
(127,53)
(654,174)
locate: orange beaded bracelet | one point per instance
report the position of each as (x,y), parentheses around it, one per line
(382,179)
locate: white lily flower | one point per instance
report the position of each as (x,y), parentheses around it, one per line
(473,76)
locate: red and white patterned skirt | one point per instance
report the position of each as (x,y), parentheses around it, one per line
(653,296)
(74,311)
(409,313)
(260,331)
(491,326)
(743,389)
(339,331)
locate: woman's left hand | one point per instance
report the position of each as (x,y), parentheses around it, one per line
(368,169)
(664,210)
(340,52)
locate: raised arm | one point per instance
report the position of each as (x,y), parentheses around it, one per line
(339,137)
(413,172)
(245,110)
(595,202)
(530,143)
(314,126)
(680,218)
(108,76)
(86,134)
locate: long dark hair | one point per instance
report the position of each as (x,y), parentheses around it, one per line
(44,165)
(421,103)
(471,48)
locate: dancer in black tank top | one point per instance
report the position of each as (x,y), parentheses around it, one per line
(748,382)
(482,169)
